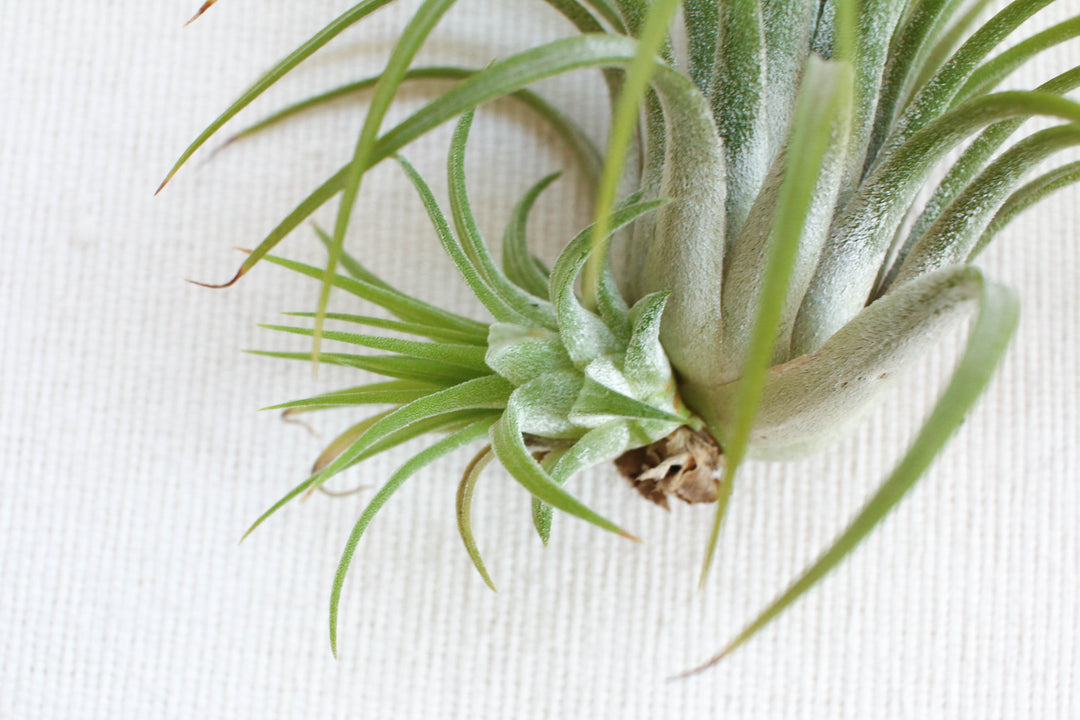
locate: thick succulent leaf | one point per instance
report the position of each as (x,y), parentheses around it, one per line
(861,236)
(815,399)
(600,445)
(443,447)
(521,354)
(738,104)
(820,134)
(645,364)
(518,264)
(464,510)
(466,356)
(686,253)
(536,310)
(989,337)
(394,301)
(409,42)
(787,25)
(470,272)
(340,24)
(701,18)
(952,238)
(393,366)
(584,335)
(1024,198)
(509,446)
(822,114)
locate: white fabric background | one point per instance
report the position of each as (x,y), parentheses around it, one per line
(132,456)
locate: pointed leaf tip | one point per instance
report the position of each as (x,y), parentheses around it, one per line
(205,6)
(239,274)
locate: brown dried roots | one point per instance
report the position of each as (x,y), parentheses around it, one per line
(686,464)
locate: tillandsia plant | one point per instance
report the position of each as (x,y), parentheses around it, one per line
(760,266)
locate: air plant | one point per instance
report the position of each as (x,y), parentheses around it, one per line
(767,273)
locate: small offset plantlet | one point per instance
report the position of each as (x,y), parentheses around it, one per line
(769,271)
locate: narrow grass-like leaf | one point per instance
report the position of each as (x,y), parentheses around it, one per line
(344,21)
(952,238)
(447,335)
(518,264)
(393,366)
(623,125)
(536,310)
(1024,198)
(467,356)
(485,393)
(970,162)
(990,74)
(496,81)
(501,310)
(583,148)
(362,395)
(989,337)
(935,96)
(464,510)
(443,447)
(394,301)
(412,37)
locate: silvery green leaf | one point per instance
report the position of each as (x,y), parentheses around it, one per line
(815,399)
(521,354)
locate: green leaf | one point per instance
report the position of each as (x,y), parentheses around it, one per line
(989,337)
(536,310)
(443,447)
(738,103)
(623,126)
(510,448)
(395,392)
(485,393)
(952,238)
(971,161)
(411,39)
(464,507)
(467,356)
(470,272)
(448,335)
(343,22)
(587,154)
(824,103)
(701,18)
(861,237)
(520,267)
(1024,198)
(394,366)
(396,302)
(584,335)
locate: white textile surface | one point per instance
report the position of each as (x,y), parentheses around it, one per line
(132,456)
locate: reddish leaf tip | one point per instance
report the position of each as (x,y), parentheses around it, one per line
(205,6)
(239,274)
